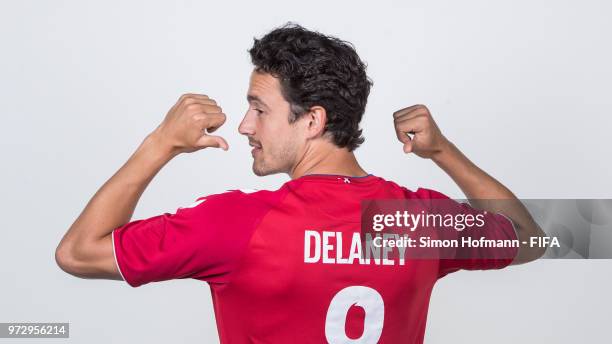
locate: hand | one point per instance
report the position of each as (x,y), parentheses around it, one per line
(188,124)
(427,140)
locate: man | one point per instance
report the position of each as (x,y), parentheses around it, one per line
(273,259)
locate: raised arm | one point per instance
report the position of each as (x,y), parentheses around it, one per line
(86,249)
(482,190)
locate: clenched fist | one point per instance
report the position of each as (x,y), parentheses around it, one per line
(189,122)
(426,140)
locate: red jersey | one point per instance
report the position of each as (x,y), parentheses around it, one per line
(281,264)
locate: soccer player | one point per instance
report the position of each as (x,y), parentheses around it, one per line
(282,265)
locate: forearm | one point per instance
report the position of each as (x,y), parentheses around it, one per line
(114,203)
(475,183)
(485,192)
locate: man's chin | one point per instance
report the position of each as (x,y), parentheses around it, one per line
(258,171)
(261,171)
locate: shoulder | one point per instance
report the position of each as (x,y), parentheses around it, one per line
(420,193)
(235,202)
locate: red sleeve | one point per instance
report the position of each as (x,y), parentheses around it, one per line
(203,241)
(496,227)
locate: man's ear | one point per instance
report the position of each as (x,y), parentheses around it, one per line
(316,119)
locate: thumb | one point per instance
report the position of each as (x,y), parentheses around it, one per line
(212,141)
(408,144)
(408,147)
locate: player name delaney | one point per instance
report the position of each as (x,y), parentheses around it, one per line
(328,247)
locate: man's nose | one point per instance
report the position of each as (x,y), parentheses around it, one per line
(247,126)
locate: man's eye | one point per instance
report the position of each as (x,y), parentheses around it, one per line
(259,112)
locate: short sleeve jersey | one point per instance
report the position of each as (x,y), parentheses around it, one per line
(283,267)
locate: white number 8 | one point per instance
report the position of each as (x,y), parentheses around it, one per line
(365,297)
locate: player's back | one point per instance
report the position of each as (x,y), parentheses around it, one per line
(304,277)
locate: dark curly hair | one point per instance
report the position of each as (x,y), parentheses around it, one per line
(315,69)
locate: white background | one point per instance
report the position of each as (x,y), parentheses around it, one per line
(522,88)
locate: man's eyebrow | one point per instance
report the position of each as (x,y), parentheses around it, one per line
(253,98)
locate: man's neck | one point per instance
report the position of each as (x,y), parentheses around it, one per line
(323,159)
